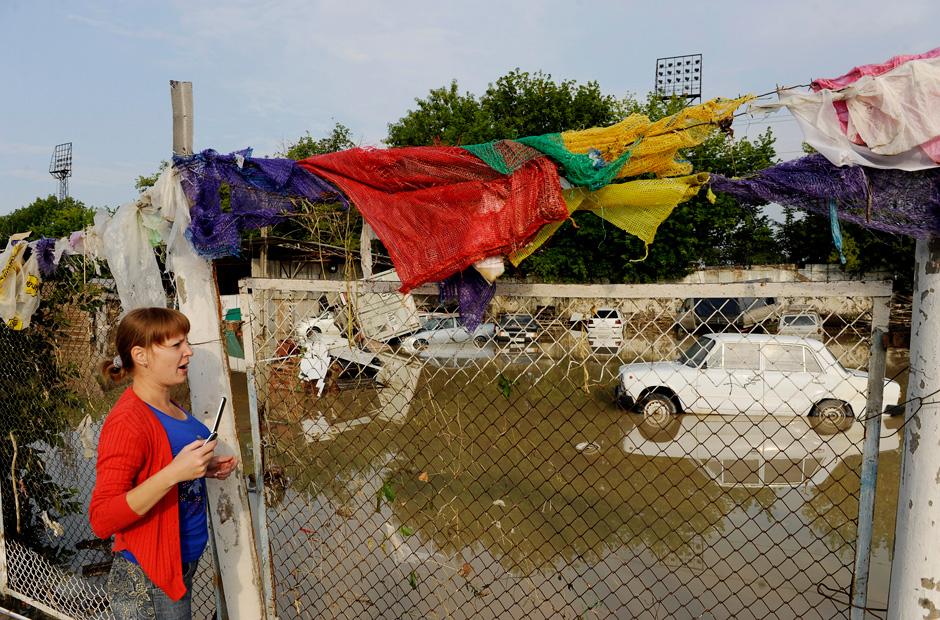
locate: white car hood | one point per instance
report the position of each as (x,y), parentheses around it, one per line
(647,368)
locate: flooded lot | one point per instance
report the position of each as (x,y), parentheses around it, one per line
(513,487)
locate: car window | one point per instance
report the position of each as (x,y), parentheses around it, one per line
(800,320)
(431,324)
(812,364)
(695,355)
(448,323)
(783,357)
(606,314)
(742,355)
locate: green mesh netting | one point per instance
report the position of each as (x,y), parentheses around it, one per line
(583,170)
(504,156)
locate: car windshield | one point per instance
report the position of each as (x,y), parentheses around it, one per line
(516,320)
(606,314)
(695,355)
(799,320)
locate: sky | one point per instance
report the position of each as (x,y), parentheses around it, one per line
(265,72)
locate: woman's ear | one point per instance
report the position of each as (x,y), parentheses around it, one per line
(139,355)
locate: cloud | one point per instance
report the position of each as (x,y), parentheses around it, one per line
(147,34)
(20,149)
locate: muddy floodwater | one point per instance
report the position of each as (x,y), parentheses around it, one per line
(515,488)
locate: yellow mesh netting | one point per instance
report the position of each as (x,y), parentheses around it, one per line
(636,207)
(659,141)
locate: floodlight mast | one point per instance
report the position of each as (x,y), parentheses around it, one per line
(679,76)
(60,167)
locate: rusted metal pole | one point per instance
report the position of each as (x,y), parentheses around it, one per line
(915,569)
(881,310)
(209,381)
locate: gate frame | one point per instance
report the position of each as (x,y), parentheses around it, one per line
(878,291)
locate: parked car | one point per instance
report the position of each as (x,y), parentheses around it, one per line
(447,329)
(749,374)
(719,313)
(517,331)
(798,323)
(325,323)
(605,329)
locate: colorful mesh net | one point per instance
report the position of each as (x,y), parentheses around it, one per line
(261,193)
(636,207)
(472,293)
(438,210)
(595,157)
(893,201)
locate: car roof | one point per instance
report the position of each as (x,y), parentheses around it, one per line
(766,338)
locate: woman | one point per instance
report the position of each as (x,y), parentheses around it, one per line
(149,492)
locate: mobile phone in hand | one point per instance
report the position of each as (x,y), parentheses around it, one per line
(215,425)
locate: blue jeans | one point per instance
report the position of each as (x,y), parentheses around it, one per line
(135,597)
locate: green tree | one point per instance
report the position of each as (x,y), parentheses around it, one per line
(518,104)
(143,182)
(339,139)
(586,248)
(806,238)
(47,217)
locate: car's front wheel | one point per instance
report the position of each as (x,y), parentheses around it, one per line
(831,416)
(480,341)
(420,344)
(658,409)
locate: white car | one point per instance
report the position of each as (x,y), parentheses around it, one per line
(605,329)
(447,330)
(749,374)
(794,323)
(325,323)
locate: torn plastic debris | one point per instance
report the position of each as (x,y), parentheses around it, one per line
(399,380)
(19,284)
(490,268)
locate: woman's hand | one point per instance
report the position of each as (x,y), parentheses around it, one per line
(193,461)
(220,467)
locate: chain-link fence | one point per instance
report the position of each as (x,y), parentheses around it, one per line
(662,451)
(52,406)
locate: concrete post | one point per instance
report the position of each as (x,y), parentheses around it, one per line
(198,296)
(915,570)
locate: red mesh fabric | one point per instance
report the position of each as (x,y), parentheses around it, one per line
(440,209)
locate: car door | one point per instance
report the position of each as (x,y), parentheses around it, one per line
(456,331)
(447,331)
(712,385)
(788,387)
(741,361)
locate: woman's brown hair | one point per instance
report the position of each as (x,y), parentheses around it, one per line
(142,327)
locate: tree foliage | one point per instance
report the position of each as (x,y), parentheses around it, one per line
(339,139)
(47,217)
(518,104)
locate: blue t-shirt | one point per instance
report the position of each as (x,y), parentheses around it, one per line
(194,529)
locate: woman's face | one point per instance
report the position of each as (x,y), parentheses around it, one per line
(168,363)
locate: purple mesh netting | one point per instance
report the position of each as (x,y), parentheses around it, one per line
(262,191)
(45,256)
(472,292)
(894,201)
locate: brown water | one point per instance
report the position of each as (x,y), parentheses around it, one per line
(517,490)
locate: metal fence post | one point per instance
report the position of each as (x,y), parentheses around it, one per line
(915,571)
(881,311)
(250,313)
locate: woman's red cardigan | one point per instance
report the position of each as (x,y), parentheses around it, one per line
(132,448)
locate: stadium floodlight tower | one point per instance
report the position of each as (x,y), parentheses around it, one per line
(61,167)
(679,76)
